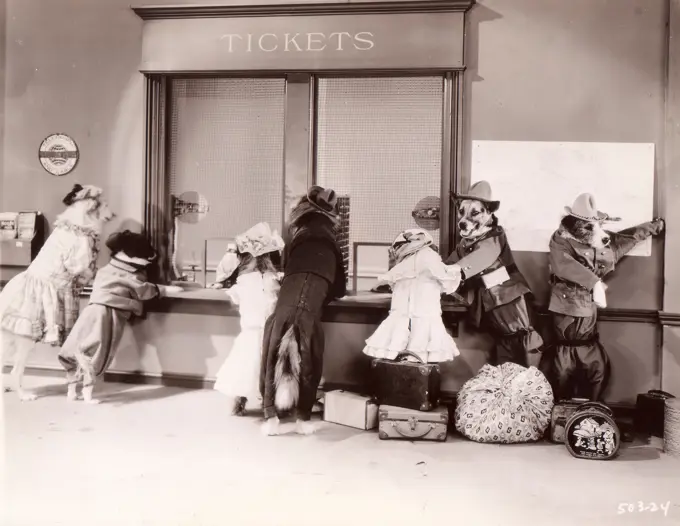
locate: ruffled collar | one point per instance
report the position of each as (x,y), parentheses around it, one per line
(76,229)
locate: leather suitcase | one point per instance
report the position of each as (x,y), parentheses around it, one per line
(412,385)
(561,412)
(649,412)
(406,424)
(350,409)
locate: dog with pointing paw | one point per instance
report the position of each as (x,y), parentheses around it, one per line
(582,253)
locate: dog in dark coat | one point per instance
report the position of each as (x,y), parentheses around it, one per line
(582,253)
(501,298)
(293,347)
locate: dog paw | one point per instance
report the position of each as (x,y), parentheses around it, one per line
(92,401)
(239,408)
(660,224)
(270,427)
(305,427)
(27,397)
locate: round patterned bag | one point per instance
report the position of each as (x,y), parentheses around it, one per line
(507,404)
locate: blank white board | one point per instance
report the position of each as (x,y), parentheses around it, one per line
(534,181)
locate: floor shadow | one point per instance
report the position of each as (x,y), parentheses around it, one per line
(638,453)
(131,395)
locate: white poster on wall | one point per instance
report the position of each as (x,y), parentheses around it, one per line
(534,181)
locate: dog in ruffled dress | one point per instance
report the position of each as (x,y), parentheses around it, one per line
(118,294)
(41,304)
(418,279)
(252,263)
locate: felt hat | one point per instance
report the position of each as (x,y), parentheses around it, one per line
(131,244)
(318,200)
(584,207)
(480,191)
(259,240)
(324,199)
(409,242)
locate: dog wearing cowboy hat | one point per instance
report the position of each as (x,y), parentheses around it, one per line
(42,303)
(293,346)
(582,253)
(501,301)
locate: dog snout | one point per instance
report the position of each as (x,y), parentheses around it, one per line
(462,225)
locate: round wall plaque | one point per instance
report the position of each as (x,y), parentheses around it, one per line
(58,154)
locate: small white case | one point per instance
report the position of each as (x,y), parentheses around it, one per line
(350,409)
(497,277)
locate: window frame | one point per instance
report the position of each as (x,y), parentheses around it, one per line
(299,155)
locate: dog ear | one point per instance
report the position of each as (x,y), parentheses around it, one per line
(569,222)
(492,207)
(70,197)
(117,242)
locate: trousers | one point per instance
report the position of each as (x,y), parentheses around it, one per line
(512,326)
(578,365)
(300,304)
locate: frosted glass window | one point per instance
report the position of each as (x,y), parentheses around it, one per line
(226,143)
(379,141)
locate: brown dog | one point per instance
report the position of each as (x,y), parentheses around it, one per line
(501,298)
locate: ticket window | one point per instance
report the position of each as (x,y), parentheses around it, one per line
(226,142)
(379,141)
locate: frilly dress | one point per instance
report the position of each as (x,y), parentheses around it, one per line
(415,320)
(256,295)
(42,302)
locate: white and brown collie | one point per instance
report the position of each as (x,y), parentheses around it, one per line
(41,304)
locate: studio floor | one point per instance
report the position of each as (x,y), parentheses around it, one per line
(153,455)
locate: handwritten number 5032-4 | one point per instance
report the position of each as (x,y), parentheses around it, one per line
(639,507)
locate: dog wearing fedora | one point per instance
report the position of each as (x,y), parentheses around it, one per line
(118,294)
(41,304)
(501,301)
(582,253)
(293,346)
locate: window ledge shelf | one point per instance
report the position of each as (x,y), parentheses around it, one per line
(363,307)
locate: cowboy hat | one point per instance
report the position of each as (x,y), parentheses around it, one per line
(480,191)
(584,208)
(259,240)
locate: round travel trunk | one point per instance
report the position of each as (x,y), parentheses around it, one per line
(592,433)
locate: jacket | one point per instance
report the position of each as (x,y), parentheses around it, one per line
(484,255)
(316,251)
(121,286)
(575,268)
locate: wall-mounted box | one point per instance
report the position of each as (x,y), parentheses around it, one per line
(18,253)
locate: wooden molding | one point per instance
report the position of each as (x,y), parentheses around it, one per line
(363,311)
(628,315)
(162,12)
(670,319)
